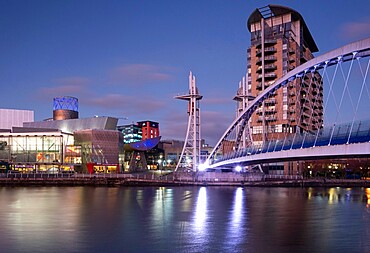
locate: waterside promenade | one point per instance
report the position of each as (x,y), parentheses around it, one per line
(116,180)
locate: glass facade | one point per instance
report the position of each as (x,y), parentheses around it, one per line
(131,133)
(91,145)
(36,151)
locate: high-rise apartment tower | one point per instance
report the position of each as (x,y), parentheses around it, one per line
(281,41)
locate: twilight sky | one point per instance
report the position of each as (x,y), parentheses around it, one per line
(129,58)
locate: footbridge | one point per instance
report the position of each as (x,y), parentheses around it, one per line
(304,147)
(345,131)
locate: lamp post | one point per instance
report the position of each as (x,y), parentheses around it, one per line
(160,165)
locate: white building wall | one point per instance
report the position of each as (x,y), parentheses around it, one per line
(14,118)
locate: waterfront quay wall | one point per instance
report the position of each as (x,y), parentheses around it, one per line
(116,180)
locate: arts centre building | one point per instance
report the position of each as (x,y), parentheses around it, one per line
(65,142)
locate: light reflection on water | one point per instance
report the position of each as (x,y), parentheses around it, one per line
(236,229)
(368,197)
(200,214)
(184,219)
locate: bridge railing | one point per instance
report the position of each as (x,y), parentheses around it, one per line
(357,132)
(283,177)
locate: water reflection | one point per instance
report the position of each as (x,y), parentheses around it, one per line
(236,228)
(236,218)
(333,196)
(186,201)
(336,195)
(200,215)
(29,218)
(161,212)
(184,219)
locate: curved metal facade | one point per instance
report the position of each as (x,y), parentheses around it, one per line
(64,114)
(65,108)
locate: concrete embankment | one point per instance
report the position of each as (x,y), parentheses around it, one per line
(101,181)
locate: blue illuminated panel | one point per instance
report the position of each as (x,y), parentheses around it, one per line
(65,103)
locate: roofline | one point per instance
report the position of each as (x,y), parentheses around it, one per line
(278,10)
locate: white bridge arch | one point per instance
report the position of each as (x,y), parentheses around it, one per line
(359,49)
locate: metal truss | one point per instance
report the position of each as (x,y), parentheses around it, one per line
(190,155)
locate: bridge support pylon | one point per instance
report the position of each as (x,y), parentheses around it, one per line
(190,155)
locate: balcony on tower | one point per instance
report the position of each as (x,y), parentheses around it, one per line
(268,42)
(268,76)
(269,58)
(270,118)
(268,50)
(271,75)
(267,84)
(291,59)
(270,101)
(291,50)
(268,67)
(270,110)
(267,118)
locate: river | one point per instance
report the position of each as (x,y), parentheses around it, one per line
(184,219)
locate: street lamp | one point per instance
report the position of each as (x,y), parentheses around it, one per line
(238,168)
(160,165)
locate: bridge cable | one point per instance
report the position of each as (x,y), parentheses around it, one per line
(359,99)
(331,82)
(341,100)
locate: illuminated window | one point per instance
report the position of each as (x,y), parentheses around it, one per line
(257,130)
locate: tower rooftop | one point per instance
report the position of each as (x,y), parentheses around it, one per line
(272,10)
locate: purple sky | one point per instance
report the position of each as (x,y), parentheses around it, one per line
(130,58)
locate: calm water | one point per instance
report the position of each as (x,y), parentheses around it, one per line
(184,219)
